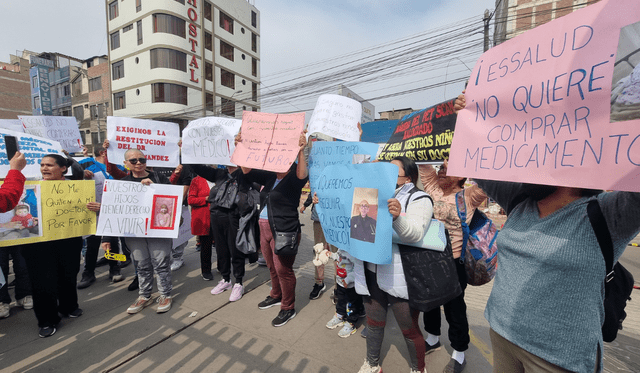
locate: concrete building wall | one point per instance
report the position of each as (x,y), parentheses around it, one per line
(15,90)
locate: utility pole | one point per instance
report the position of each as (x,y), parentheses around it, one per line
(486,19)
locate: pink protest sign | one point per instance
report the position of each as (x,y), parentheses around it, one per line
(558,105)
(269,141)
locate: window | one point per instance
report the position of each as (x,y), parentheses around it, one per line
(227,79)
(138,5)
(117,70)
(168,58)
(254,19)
(208,41)
(166,92)
(77,88)
(226,50)
(93,111)
(90,64)
(226,22)
(78,112)
(66,112)
(115,40)
(253,108)
(113,10)
(254,42)
(208,71)
(209,102)
(34,81)
(139,28)
(95,84)
(36,102)
(254,91)
(66,90)
(207,10)
(119,101)
(228,107)
(127,28)
(169,24)
(254,67)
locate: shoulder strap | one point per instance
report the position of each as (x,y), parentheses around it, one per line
(599,225)
(411,192)
(461,206)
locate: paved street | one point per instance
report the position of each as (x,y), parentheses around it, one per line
(208,333)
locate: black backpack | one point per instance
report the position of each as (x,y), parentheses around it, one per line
(618,281)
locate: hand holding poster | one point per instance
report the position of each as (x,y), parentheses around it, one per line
(33,148)
(269,141)
(158,141)
(353,209)
(49,210)
(326,153)
(131,209)
(424,135)
(61,129)
(336,116)
(210,141)
(539,106)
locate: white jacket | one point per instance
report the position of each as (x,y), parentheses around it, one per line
(410,227)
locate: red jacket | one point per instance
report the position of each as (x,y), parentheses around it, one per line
(11,190)
(200,215)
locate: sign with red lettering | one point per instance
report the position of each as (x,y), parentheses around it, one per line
(158,141)
(192,14)
(424,135)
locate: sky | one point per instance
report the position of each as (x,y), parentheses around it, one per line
(293,33)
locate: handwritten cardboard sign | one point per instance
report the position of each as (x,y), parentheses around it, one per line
(336,116)
(327,153)
(49,210)
(12,124)
(158,141)
(33,148)
(424,135)
(342,190)
(210,141)
(269,141)
(131,209)
(61,129)
(541,108)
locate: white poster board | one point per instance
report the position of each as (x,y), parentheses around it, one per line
(12,124)
(33,148)
(61,129)
(210,141)
(158,141)
(336,116)
(184,233)
(131,209)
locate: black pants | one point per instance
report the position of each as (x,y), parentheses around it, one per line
(455,311)
(347,297)
(23,285)
(93,248)
(205,253)
(53,267)
(224,227)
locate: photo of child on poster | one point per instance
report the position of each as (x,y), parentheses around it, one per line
(164,211)
(364,214)
(22,221)
(625,89)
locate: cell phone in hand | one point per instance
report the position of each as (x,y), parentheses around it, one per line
(11,143)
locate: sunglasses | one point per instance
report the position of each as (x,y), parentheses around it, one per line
(136,160)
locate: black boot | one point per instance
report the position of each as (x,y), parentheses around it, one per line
(134,284)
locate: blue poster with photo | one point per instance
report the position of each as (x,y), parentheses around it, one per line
(353,209)
(328,153)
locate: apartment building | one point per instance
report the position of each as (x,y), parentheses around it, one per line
(178,60)
(15,89)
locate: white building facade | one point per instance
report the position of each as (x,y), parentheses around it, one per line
(179,60)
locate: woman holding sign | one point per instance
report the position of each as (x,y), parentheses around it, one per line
(546,306)
(54,265)
(280,198)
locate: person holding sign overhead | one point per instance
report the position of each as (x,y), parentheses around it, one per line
(54,265)
(280,198)
(151,254)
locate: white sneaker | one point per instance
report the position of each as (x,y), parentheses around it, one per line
(366,368)
(221,287)
(347,330)
(26,302)
(335,322)
(177,264)
(4,310)
(236,292)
